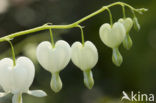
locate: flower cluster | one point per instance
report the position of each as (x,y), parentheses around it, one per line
(17,75)
(116,34)
(54,59)
(18,79)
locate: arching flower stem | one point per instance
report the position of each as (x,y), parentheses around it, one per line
(68,26)
(110,16)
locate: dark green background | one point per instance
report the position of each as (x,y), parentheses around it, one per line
(137,73)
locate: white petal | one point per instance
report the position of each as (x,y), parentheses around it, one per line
(5,74)
(53,59)
(112,36)
(3,94)
(84,57)
(23,74)
(16,79)
(128,23)
(17,98)
(37,93)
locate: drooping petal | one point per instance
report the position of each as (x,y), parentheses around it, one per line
(117,57)
(37,93)
(53,59)
(88,79)
(17,98)
(56,82)
(2,94)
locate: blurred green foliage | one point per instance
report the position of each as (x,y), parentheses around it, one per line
(137,73)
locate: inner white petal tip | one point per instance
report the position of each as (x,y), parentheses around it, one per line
(37,93)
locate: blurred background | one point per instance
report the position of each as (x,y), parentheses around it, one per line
(137,73)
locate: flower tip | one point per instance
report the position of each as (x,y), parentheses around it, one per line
(127,43)
(143,9)
(117,64)
(88,79)
(56,89)
(89,86)
(3,94)
(117,57)
(136,24)
(37,93)
(56,83)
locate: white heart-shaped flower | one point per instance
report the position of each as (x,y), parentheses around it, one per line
(17,78)
(84,56)
(128,23)
(54,59)
(112,36)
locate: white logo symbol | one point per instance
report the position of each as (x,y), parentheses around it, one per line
(125,96)
(138,97)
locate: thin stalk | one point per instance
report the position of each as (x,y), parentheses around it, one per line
(82,35)
(110,16)
(52,38)
(123,11)
(13,53)
(68,26)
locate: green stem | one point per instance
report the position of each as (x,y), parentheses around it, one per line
(133,13)
(123,11)
(82,34)
(75,24)
(13,53)
(110,16)
(52,39)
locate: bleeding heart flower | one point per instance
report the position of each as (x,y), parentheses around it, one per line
(18,79)
(85,57)
(112,36)
(128,23)
(54,60)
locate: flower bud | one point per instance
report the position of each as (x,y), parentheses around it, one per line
(128,23)
(117,57)
(112,36)
(127,43)
(136,24)
(54,60)
(142,10)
